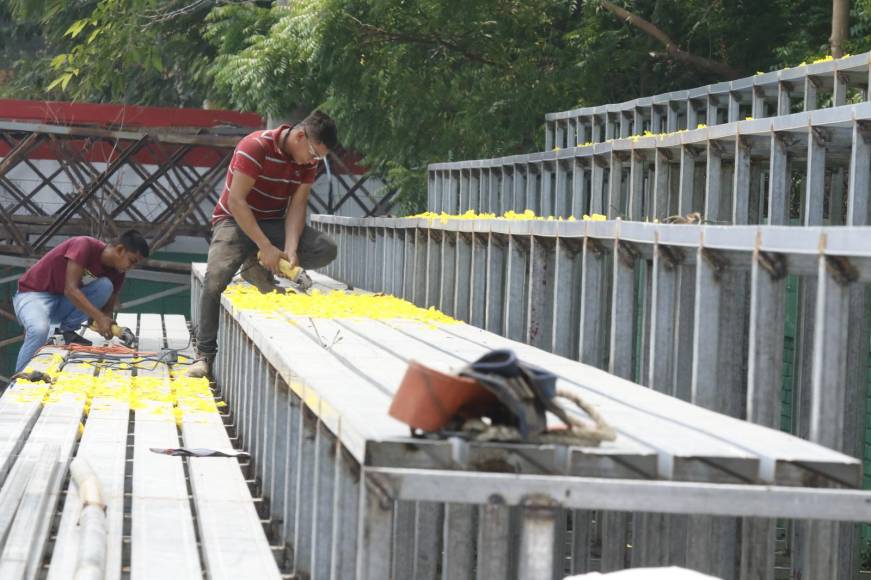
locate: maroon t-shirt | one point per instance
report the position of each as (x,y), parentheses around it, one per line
(49,273)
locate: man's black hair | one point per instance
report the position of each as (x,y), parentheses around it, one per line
(321,127)
(134,242)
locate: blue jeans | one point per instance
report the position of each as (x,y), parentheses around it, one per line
(38,312)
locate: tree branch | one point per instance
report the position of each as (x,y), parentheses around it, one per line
(430,40)
(671,48)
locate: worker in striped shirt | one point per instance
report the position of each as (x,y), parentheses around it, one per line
(262,209)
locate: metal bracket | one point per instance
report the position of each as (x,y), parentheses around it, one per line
(821,136)
(627,253)
(774,264)
(841,269)
(716,148)
(718,261)
(381,489)
(597,247)
(671,256)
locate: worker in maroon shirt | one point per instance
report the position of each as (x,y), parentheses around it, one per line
(262,209)
(78,279)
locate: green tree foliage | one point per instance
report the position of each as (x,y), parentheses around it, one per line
(127,51)
(412,82)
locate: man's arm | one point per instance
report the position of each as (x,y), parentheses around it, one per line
(294,222)
(109,307)
(73,277)
(243,215)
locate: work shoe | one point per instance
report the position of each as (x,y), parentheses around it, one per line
(258,276)
(72,337)
(202,367)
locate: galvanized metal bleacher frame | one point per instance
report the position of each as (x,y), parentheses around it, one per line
(734,169)
(350,495)
(158,525)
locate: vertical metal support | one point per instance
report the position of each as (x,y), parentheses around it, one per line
(539,331)
(734,107)
(663,316)
(463,273)
(560,135)
(810,93)
(449,272)
(615,185)
(816,177)
(427,540)
(458,558)
(431,190)
(549,131)
(830,403)
(579,191)
(592,323)
(520,175)
(581,540)
(660,184)
(595,130)
(545,193)
(687,180)
(860,162)
(534,179)
(636,186)
(324,503)
(621,359)
(758,107)
(615,527)
(783,102)
(496,269)
(764,381)
(419,271)
(778,183)
(433,266)
(671,118)
(537,540)
(374,547)
(506,190)
(345,517)
(478,278)
(656,118)
(465,199)
(302,543)
(597,186)
(741,182)
(475,189)
(836,200)
(713,181)
(562,197)
(567,300)
(404,534)
(494,542)
(839,94)
(610,129)
(692,115)
(515,288)
(712,109)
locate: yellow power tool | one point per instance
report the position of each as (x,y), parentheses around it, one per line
(122,333)
(297,276)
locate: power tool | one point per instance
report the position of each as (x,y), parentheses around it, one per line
(122,333)
(297,276)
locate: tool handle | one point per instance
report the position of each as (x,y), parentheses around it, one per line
(284,267)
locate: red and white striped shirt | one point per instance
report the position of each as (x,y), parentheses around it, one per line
(277,176)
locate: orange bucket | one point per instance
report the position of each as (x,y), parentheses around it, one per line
(428,399)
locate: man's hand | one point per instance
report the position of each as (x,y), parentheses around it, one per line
(270,256)
(103,325)
(291,257)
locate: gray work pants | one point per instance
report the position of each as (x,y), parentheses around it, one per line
(230,247)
